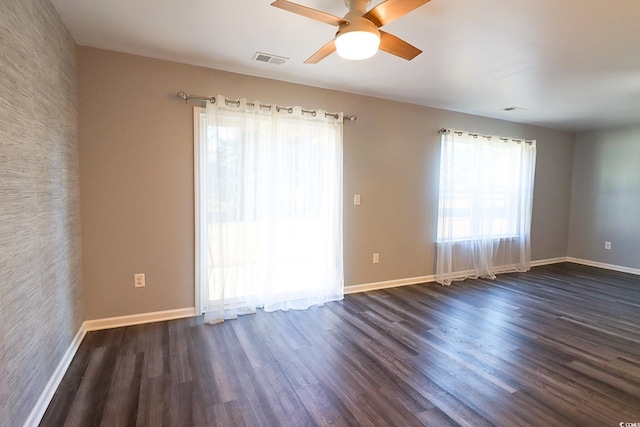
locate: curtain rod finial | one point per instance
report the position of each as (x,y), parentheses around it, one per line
(183,95)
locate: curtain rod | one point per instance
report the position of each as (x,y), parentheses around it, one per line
(475,135)
(186,97)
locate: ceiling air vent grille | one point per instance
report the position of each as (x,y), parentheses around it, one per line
(514,108)
(269,59)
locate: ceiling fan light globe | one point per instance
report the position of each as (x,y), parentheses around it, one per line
(357,45)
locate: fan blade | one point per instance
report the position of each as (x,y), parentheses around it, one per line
(398,47)
(322,53)
(390,10)
(317,15)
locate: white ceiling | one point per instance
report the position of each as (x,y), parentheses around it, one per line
(572,64)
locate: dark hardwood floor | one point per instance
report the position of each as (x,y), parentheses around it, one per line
(557,346)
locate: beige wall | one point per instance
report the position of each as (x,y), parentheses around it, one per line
(40,265)
(137,178)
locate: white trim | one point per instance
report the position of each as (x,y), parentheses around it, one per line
(42,404)
(354,289)
(548,261)
(139,319)
(613,267)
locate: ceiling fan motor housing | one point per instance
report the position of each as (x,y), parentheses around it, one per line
(359,38)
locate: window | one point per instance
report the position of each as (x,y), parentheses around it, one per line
(484,206)
(270,208)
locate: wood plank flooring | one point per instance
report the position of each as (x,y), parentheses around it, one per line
(557,346)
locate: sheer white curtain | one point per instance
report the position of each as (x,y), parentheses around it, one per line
(485,204)
(271,208)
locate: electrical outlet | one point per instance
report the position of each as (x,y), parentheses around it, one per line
(356,200)
(138,280)
(376,258)
(607,245)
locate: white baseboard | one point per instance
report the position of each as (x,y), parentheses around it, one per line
(549,261)
(613,267)
(52,385)
(587,262)
(354,289)
(139,319)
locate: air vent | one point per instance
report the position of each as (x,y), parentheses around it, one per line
(269,59)
(514,108)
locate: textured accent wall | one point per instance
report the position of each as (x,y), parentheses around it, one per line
(40,266)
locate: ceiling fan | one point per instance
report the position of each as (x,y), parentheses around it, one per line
(358,36)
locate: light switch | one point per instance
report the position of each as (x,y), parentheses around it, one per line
(356,199)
